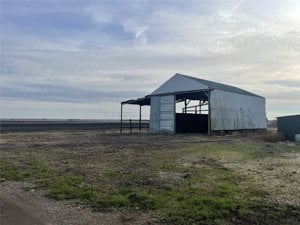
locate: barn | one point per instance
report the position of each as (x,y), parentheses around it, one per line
(187,104)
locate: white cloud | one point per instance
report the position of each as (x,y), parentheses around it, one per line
(244,43)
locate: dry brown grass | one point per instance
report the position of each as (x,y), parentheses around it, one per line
(273,136)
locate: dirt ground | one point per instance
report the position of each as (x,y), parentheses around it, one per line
(23,204)
(110,162)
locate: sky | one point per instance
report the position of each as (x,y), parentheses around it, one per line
(80,58)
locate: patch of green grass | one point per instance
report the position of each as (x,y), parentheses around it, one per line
(59,187)
(126,198)
(232,151)
(69,187)
(9,171)
(200,209)
(262,213)
(255,192)
(210,193)
(29,167)
(112,200)
(201,205)
(38,168)
(140,201)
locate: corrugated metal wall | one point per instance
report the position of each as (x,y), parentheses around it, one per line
(231,111)
(289,126)
(167,113)
(162,114)
(154,114)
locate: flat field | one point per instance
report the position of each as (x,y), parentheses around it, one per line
(96,177)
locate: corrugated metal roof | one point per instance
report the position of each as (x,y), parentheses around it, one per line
(169,87)
(178,84)
(139,101)
(187,87)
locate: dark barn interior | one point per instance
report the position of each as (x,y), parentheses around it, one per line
(191,123)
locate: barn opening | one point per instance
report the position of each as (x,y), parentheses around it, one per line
(192,112)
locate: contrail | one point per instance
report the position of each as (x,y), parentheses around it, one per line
(228,14)
(139,33)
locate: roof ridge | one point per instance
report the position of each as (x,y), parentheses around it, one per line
(220,86)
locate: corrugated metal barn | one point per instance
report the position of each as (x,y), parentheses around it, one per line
(289,126)
(206,107)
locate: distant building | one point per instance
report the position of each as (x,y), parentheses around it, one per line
(289,126)
(217,107)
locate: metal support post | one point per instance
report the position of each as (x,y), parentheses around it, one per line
(209,113)
(140,127)
(121,127)
(130,126)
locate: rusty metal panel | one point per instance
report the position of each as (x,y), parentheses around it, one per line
(154,114)
(232,111)
(167,113)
